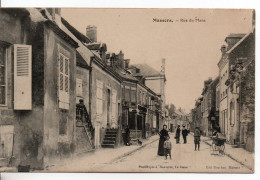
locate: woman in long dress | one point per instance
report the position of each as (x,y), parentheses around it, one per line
(163,135)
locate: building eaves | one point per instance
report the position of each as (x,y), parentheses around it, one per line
(77,34)
(241,40)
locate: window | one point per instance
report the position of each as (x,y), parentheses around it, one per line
(63,84)
(2,75)
(99,102)
(133,95)
(127,93)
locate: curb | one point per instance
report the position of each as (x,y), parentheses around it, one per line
(133,151)
(231,157)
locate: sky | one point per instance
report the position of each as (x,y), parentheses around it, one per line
(191,49)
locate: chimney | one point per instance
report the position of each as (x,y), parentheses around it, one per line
(163,67)
(253,18)
(223,49)
(232,39)
(55,14)
(92,33)
(126,63)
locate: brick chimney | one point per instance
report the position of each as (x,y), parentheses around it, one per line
(91,32)
(232,39)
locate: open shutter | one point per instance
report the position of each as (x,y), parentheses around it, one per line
(22,77)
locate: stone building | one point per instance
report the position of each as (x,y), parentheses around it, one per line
(241,83)
(37,88)
(210,116)
(155,81)
(223,66)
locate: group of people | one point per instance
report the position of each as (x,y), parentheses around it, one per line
(165,146)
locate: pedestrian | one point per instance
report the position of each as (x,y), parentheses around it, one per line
(167,148)
(177,134)
(197,138)
(163,135)
(184,134)
(127,136)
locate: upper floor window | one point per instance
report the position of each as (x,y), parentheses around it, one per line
(63,71)
(2,75)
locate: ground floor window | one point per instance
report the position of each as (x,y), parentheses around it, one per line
(2,75)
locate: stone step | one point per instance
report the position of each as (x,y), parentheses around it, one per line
(112,130)
(109,142)
(108,145)
(110,135)
(109,138)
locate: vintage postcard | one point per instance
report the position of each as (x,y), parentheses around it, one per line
(127,90)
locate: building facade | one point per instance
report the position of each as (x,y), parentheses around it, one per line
(37,101)
(241,92)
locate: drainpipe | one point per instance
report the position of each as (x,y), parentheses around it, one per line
(90,88)
(239,122)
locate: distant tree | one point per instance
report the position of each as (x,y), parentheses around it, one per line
(172,110)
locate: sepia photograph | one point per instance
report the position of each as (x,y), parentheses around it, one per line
(127,90)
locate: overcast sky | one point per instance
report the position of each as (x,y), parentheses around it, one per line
(191,50)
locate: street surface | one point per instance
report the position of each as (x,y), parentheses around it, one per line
(184,159)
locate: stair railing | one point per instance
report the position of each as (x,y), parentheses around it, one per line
(83,116)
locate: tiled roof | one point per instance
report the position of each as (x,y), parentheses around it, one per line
(76,33)
(124,74)
(241,40)
(145,70)
(80,61)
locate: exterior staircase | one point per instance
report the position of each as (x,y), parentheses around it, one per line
(83,120)
(110,138)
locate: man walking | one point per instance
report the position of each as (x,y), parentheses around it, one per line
(177,134)
(184,134)
(197,138)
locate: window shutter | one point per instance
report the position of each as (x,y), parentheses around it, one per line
(99,102)
(22,77)
(79,87)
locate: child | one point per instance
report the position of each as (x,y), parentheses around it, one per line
(167,147)
(197,138)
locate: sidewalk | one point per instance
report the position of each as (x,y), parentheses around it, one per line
(89,162)
(239,155)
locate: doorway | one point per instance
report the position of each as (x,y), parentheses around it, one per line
(108,108)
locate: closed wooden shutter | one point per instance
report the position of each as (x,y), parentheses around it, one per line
(22,77)
(99,102)
(79,87)
(114,95)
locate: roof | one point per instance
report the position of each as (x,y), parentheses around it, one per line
(94,46)
(84,52)
(241,40)
(146,70)
(80,61)
(124,74)
(235,36)
(77,34)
